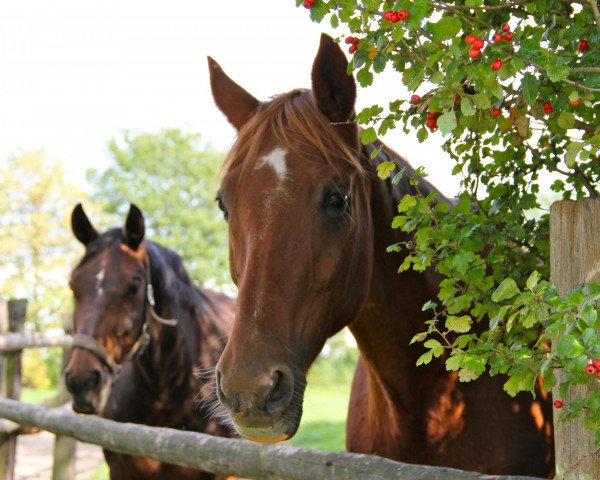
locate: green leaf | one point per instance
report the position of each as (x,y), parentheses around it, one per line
(466,375)
(556,72)
(453,362)
(459,324)
(466,106)
(481,100)
(425,358)
(407,202)
(529,85)
(573,150)
(566,120)
(419,337)
(447,122)
(445,28)
(507,289)
(364,77)
(435,346)
(429,305)
(368,135)
(568,347)
(533,279)
(385,169)
(422,135)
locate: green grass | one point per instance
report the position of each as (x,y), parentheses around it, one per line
(36,395)
(323,423)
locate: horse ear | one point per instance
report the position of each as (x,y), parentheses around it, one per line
(81,226)
(333,88)
(236,103)
(134,227)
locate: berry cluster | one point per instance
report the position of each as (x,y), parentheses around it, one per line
(476,44)
(547,107)
(308,3)
(593,368)
(395,17)
(431,120)
(353,42)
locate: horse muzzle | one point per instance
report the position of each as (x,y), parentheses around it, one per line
(263,409)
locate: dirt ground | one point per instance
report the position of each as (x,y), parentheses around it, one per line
(34,458)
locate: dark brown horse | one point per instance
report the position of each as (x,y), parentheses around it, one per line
(142,327)
(309,223)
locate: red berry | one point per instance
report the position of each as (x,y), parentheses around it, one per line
(497,38)
(508,36)
(558,404)
(478,43)
(505,27)
(596,363)
(348,40)
(308,3)
(548,107)
(353,48)
(474,52)
(590,370)
(495,112)
(388,15)
(403,14)
(415,99)
(576,102)
(469,39)
(497,64)
(597,373)
(355,41)
(583,46)
(395,17)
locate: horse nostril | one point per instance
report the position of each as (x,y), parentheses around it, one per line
(93,380)
(281,392)
(71,386)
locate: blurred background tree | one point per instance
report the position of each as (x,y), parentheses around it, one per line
(171,176)
(37,249)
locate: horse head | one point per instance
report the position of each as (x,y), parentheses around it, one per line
(110,307)
(295,193)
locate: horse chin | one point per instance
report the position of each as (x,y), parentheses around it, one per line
(92,402)
(269,430)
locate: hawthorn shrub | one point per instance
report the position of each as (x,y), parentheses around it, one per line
(514,88)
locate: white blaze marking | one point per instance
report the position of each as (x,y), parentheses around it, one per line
(276,160)
(99,279)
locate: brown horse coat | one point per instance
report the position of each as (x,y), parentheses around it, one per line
(309,223)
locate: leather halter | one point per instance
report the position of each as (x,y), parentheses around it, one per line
(89,343)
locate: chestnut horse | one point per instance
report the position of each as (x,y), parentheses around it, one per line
(142,327)
(309,223)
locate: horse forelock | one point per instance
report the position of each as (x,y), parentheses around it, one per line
(293,122)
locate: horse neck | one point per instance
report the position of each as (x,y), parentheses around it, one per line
(392,314)
(173,349)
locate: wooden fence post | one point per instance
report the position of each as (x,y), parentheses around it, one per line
(65,447)
(12,319)
(575,259)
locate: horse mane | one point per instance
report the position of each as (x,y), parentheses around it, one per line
(298,125)
(397,190)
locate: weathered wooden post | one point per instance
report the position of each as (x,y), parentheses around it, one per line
(12,319)
(65,447)
(575,259)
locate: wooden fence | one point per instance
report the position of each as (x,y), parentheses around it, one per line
(195,450)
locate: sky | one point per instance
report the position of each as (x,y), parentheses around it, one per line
(74,73)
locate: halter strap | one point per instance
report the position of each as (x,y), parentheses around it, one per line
(89,343)
(171,322)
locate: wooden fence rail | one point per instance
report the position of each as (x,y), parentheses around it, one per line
(15,342)
(226,456)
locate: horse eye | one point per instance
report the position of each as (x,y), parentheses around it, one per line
(337,203)
(221,204)
(133,289)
